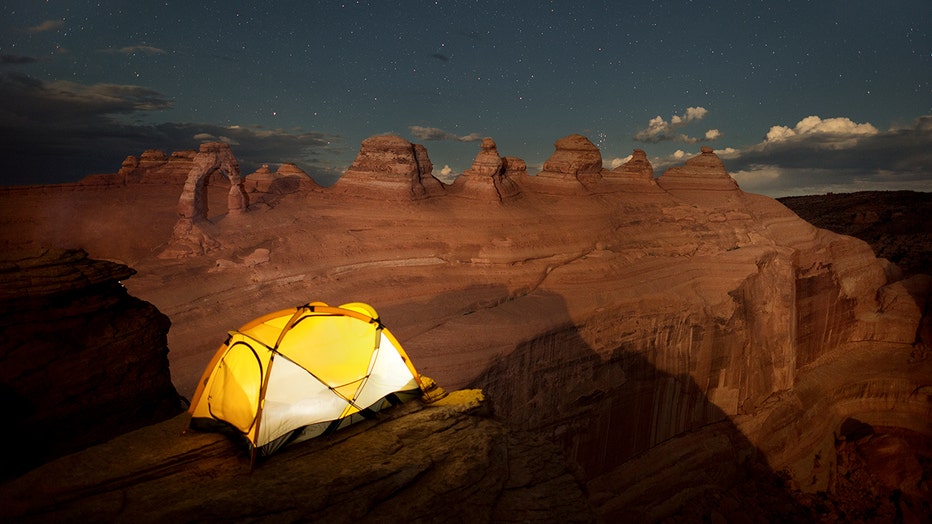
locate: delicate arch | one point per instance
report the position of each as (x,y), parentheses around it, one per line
(213,157)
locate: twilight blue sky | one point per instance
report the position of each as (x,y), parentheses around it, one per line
(797,97)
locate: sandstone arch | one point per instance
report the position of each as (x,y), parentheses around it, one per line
(213,157)
(191,233)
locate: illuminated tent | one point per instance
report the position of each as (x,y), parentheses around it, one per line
(301,372)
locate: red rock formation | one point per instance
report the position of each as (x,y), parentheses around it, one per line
(515,169)
(575,159)
(701,173)
(190,235)
(657,335)
(389,166)
(213,157)
(152,167)
(488,179)
(83,361)
(259,181)
(289,178)
(450,461)
(638,168)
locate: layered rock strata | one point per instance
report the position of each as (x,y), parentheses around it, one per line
(638,168)
(288,178)
(214,157)
(445,462)
(83,361)
(701,173)
(575,159)
(191,233)
(389,166)
(488,178)
(676,341)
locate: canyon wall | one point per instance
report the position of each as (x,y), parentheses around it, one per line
(675,335)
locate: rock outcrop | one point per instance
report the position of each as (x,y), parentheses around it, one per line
(445,462)
(638,168)
(190,235)
(82,360)
(390,167)
(575,159)
(289,178)
(213,157)
(677,342)
(489,178)
(153,166)
(701,173)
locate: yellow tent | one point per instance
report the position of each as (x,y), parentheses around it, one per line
(300,372)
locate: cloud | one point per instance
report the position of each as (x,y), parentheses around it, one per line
(446,175)
(56,132)
(135,49)
(835,155)
(25,100)
(17,59)
(659,130)
(832,133)
(47,25)
(617,161)
(434,133)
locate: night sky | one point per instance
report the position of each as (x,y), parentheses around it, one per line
(796,97)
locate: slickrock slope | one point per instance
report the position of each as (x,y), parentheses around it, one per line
(446,462)
(82,360)
(671,334)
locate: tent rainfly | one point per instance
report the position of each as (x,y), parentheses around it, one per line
(299,373)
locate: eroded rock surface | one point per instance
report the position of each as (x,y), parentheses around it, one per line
(894,223)
(82,360)
(213,157)
(701,173)
(575,159)
(489,178)
(678,338)
(389,166)
(638,168)
(444,462)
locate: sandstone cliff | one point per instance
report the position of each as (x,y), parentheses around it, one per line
(676,336)
(82,360)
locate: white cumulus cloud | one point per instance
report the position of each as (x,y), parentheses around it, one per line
(832,133)
(446,174)
(819,155)
(659,130)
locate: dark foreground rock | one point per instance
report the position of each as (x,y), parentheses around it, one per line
(444,462)
(82,360)
(895,223)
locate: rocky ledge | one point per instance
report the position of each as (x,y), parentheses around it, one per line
(444,462)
